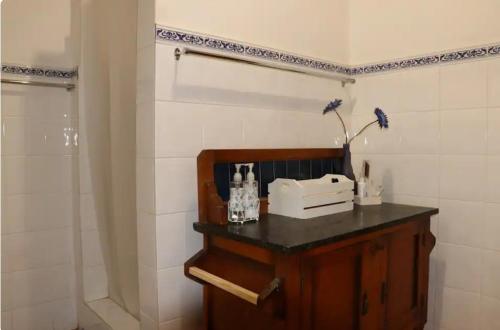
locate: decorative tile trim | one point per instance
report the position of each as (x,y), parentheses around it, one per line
(455,56)
(167,34)
(395,65)
(189,38)
(39,72)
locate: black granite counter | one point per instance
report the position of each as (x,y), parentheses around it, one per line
(290,235)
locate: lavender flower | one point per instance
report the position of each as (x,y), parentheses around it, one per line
(382,119)
(332,106)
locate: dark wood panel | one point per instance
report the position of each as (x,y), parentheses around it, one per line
(211,206)
(246,250)
(403,278)
(245,155)
(332,289)
(227,312)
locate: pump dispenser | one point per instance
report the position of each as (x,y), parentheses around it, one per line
(250,174)
(235,208)
(237,176)
(251,201)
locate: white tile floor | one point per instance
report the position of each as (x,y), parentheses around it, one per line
(114,315)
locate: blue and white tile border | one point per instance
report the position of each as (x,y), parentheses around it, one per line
(219,44)
(188,38)
(438,58)
(39,72)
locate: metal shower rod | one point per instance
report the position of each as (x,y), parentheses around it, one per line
(67,86)
(189,51)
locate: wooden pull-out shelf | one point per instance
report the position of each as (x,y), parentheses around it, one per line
(234,289)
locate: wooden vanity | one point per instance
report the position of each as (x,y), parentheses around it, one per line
(365,269)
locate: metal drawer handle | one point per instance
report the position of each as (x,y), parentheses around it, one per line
(234,289)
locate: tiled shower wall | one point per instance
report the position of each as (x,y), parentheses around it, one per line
(39,169)
(38,208)
(443,150)
(201,104)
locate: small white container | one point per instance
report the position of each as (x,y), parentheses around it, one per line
(306,199)
(362,192)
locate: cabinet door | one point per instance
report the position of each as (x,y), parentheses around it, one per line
(406,281)
(341,288)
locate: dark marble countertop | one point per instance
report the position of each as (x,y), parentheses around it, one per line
(289,235)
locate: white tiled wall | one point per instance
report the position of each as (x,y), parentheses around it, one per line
(145,167)
(410,28)
(200,104)
(442,150)
(39,126)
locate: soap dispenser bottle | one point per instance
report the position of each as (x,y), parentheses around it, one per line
(235,208)
(251,201)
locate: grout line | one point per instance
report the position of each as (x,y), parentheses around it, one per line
(61,265)
(285,108)
(468,246)
(40,156)
(38,231)
(146,211)
(173,213)
(443,286)
(437,198)
(491,297)
(40,118)
(171,320)
(70,297)
(26,155)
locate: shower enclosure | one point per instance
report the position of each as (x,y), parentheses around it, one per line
(107,155)
(69,229)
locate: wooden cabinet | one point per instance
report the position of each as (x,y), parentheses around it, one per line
(377,284)
(375,281)
(360,270)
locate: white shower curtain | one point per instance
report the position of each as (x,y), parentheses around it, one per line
(107,100)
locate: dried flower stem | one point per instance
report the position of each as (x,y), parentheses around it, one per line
(343,126)
(362,130)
